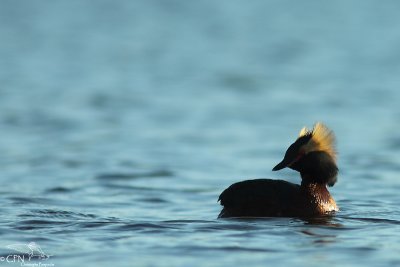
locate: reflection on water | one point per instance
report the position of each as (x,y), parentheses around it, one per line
(121,123)
(328,221)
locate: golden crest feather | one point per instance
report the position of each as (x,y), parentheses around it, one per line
(322,139)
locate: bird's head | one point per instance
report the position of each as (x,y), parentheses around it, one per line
(313,154)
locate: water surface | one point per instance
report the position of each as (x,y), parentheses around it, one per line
(121,122)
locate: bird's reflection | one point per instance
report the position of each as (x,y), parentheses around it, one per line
(326,220)
(320,230)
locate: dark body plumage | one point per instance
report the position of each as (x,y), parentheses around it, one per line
(313,156)
(274,198)
(260,197)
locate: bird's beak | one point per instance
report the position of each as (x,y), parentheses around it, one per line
(283,164)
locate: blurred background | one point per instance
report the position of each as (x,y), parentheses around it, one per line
(122,121)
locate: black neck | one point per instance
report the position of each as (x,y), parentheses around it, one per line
(317,167)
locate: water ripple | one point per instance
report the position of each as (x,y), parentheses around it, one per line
(60,189)
(374,220)
(39,224)
(143,226)
(130,176)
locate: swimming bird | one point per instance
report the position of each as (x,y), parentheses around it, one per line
(313,155)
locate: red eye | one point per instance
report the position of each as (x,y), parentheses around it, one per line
(298,157)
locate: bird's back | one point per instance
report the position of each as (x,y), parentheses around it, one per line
(261,198)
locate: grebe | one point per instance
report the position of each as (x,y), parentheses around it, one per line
(313,154)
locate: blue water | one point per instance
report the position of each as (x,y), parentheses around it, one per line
(122,121)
